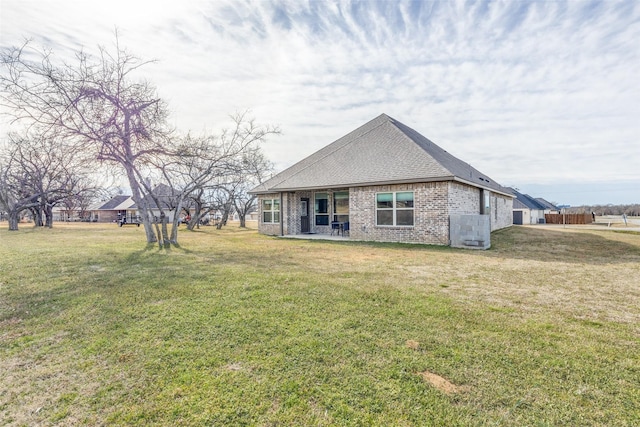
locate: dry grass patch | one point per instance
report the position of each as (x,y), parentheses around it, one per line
(440,383)
(412,344)
(595,277)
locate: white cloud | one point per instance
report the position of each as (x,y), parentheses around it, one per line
(528,92)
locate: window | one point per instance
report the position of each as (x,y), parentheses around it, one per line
(395,209)
(321,208)
(341,206)
(485,203)
(271,210)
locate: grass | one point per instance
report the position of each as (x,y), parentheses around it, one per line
(235,328)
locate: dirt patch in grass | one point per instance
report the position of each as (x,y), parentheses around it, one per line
(442,384)
(234,366)
(412,344)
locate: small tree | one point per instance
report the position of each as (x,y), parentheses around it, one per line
(14,197)
(211,166)
(255,170)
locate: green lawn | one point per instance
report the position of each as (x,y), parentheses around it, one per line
(235,328)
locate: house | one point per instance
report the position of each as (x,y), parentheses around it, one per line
(167,197)
(385,182)
(529,210)
(549,208)
(115,209)
(63,213)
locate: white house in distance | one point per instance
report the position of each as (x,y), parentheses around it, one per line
(529,210)
(384,182)
(116,209)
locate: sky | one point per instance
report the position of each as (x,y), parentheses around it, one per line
(542,96)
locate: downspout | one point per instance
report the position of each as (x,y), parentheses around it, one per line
(281,216)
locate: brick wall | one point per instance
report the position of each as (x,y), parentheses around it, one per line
(434,202)
(268,228)
(293,221)
(465,200)
(501,211)
(431,221)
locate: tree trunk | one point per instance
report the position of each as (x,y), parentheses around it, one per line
(37,216)
(166,241)
(243,208)
(14,218)
(48,212)
(175,223)
(159,234)
(223,220)
(197,215)
(145,212)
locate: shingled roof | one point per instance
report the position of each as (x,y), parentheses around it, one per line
(525,201)
(117,203)
(382,151)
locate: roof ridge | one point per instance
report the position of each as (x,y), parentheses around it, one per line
(350,137)
(404,134)
(447,161)
(385,151)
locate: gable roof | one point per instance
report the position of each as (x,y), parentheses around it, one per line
(167,197)
(165,194)
(525,201)
(546,204)
(382,151)
(117,203)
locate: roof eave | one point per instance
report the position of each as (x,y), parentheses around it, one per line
(355,184)
(376,183)
(484,187)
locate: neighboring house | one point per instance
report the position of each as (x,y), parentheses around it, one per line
(114,209)
(385,182)
(168,198)
(549,208)
(253,216)
(529,210)
(61,213)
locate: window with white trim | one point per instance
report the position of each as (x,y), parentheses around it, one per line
(394,209)
(271,211)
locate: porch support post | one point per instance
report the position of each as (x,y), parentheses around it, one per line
(281,216)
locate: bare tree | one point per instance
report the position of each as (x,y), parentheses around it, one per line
(14,197)
(94,103)
(202,208)
(80,202)
(254,171)
(39,173)
(210,165)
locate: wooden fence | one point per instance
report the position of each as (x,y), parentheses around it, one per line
(568,218)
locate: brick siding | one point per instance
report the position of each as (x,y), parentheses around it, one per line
(431,222)
(433,203)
